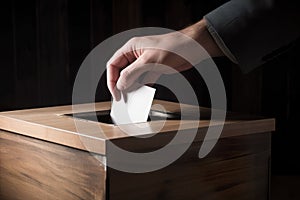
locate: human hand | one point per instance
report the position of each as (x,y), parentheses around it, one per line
(155,55)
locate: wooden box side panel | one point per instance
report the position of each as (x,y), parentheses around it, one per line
(237,168)
(34,169)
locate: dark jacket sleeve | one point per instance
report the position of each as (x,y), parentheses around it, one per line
(250,32)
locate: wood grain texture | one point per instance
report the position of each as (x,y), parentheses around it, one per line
(51,125)
(125,15)
(237,168)
(7,100)
(25,49)
(52,34)
(38,170)
(35,167)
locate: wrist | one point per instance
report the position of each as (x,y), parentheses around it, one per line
(200,33)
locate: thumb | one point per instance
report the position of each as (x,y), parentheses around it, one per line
(131,73)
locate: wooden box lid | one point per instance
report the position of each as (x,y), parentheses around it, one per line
(51,124)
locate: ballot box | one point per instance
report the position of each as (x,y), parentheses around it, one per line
(52,153)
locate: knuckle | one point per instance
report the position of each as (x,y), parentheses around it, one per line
(144,59)
(125,73)
(108,65)
(133,40)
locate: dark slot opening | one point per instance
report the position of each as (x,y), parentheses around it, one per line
(104,116)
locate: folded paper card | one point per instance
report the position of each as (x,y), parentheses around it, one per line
(134,105)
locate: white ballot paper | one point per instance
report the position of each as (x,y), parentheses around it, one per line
(133,107)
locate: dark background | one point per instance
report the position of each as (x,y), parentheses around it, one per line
(44,42)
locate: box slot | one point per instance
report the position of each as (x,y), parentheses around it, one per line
(103,116)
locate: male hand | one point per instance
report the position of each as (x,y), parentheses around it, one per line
(153,56)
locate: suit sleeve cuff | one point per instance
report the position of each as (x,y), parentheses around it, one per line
(220,42)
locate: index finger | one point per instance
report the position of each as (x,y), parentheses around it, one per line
(118,61)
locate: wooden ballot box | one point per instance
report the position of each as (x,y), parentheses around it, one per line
(45,156)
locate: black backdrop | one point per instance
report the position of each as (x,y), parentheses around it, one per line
(43,43)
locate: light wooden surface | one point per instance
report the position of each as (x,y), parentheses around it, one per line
(38,170)
(44,156)
(50,124)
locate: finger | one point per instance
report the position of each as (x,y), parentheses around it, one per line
(116,94)
(112,77)
(150,78)
(130,74)
(183,67)
(118,61)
